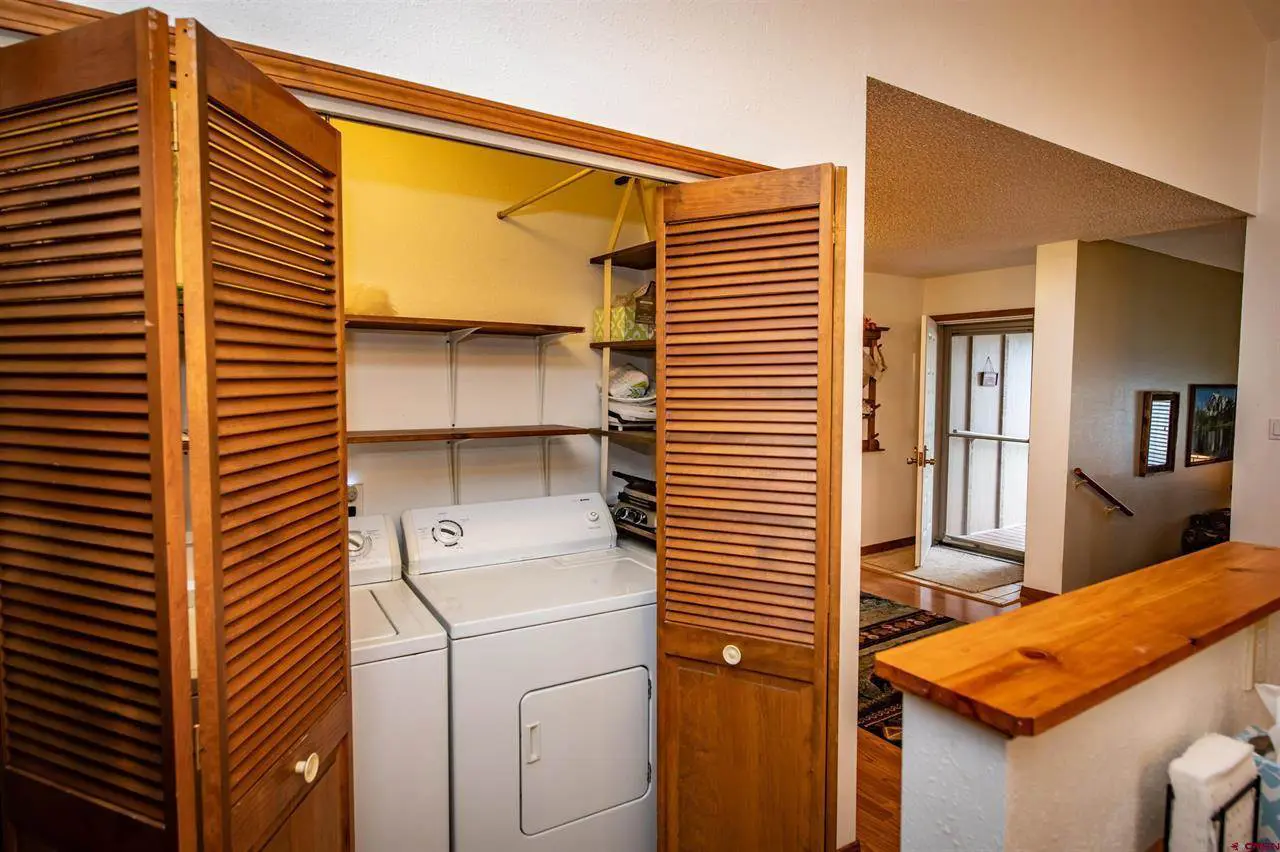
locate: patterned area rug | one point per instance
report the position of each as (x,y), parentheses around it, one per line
(883,625)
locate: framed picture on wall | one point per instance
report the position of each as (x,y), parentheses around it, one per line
(1159,439)
(1211,425)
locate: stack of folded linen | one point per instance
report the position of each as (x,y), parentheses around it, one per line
(633,405)
(1205,778)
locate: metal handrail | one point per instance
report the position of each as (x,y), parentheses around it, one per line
(985,436)
(1113,503)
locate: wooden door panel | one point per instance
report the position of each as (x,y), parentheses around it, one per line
(258,173)
(311,826)
(708,759)
(95,680)
(749,343)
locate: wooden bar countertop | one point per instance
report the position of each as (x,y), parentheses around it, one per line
(1025,672)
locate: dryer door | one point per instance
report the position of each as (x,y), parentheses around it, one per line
(584,748)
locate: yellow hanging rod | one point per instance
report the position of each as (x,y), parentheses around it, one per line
(538,196)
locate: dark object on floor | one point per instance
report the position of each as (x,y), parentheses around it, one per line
(884,624)
(1206,530)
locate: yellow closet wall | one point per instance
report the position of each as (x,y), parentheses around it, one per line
(421,237)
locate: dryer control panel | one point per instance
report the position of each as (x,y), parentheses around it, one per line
(373,549)
(473,534)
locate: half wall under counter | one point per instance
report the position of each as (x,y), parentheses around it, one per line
(1055,724)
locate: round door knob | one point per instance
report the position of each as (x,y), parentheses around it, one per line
(732,654)
(308,768)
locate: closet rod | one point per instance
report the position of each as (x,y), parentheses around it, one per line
(538,196)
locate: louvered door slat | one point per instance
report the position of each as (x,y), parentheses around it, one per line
(264,333)
(748,430)
(95,712)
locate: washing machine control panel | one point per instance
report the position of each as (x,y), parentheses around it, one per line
(470,535)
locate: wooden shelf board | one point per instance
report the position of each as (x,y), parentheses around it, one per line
(1030,670)
(627,345)
(443,326)
(641,440)
(461,433)
(643,256)
(623,527)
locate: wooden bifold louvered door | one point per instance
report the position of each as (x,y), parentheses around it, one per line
(95,709)
(259,227)
(749,364)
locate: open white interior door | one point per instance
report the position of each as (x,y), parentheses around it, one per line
(925,437)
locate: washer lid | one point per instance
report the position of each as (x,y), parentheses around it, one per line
(388,620)
(476,601)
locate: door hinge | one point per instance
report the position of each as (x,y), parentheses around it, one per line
(196,741)
(173,109)
(651,687)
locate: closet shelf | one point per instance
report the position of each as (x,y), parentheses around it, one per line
(638,532)
(461,433)
(643,256)
(636,440)
(444,326)
(627,345)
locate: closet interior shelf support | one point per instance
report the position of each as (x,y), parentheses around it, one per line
(538,196)
(455,468)
(451,341)
(540,371)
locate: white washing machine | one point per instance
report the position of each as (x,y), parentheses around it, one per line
(400,701)
(553,647)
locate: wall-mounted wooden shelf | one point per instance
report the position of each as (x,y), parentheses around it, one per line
(639,533)
(461,433)
(444,326)
(627,345)
(643,256)
(645,441)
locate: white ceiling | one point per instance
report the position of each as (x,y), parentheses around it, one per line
(951,192)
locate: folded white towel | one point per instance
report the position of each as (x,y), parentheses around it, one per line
(627,411)
(1204,778)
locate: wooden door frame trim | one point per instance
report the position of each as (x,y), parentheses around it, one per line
(974,316)
(42,17)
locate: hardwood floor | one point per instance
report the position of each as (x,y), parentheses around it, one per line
(962,606)
(890,564)
(879,762)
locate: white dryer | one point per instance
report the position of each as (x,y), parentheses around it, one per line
(553,648)
(400,696)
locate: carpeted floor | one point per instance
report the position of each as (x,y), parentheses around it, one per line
(949,566)
(884,624)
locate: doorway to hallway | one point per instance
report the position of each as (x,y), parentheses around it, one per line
(984,426)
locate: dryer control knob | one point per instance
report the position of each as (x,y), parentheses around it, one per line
(593,516)
(732,654)
(447,532)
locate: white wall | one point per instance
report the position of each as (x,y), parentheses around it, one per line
(784,83)
(1143,321)
(1050,414)
(990,290)
(888,484)
(1254,506)
(1097,781)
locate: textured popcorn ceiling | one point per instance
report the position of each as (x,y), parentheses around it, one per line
(950,192)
